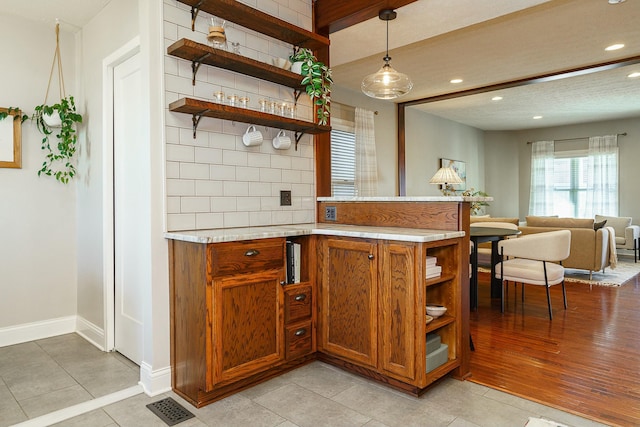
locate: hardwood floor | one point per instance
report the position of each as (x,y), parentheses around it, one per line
(585,361)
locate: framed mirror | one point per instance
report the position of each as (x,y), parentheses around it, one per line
(10,138)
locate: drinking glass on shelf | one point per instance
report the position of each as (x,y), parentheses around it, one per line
(244,101)
(236,47)
(233,100)
(219,97)
(263,105)
(272,107)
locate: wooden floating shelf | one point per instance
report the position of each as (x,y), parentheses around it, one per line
(257,20)
(198,109)
(439,322)
(199,53)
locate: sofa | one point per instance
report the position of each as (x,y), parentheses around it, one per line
(589,247)
(627,236)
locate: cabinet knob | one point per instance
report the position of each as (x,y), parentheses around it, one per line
(370,256)
(282,283)
(301,297)
(252,252)
(300,332)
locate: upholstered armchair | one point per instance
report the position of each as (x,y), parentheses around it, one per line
(627,235)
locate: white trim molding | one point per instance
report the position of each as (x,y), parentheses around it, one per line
(26,332)
(90,332)
(155,382)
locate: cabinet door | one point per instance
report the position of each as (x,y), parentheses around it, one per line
(348,305)
(248,324)
(398,317)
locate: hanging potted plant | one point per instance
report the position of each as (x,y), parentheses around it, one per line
(316,78)
(61,146)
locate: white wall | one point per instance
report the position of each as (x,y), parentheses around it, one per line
(214,181)
(430,138)
(38,249)
(502,177)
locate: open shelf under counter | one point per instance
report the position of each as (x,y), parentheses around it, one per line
(199,108)
(257,20)
(199,53)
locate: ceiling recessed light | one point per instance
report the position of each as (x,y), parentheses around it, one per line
(634,75)
(537,117)
(615,46)
(616,1)
(496,98)
(455,81)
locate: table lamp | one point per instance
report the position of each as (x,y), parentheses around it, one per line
(445,176)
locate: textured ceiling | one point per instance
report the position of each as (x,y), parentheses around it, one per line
(548,37)
(72,14)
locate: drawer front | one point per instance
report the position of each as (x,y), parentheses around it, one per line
(297,304)
(299,340)
(247,256)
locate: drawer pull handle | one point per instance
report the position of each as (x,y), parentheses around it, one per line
(252,252)
(370,256)
(300,332)
(301,297)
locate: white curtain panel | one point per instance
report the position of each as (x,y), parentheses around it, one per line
(541,193)
(366,179)
(602,177)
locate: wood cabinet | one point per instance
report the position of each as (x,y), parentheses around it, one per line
(349,299)
(371,315)
(233,321)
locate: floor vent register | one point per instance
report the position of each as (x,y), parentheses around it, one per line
(170,411)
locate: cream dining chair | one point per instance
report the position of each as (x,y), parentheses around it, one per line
(535,259)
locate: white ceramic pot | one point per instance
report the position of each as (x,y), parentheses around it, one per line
(296,67)
(52,120)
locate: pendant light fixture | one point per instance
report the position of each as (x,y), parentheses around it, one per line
(386,83)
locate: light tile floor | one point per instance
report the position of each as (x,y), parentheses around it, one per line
(49,374)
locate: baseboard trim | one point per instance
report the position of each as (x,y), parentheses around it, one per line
(26,332)
(155,382)
(90,332)
(81,408)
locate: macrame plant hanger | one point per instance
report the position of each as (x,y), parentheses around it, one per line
(57,59)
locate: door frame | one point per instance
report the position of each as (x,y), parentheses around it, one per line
(125,52)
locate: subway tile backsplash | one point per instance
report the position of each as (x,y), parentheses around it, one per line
(214,181)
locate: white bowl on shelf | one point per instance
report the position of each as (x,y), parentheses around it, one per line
(436,310)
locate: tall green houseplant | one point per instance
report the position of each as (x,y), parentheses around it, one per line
(317,80)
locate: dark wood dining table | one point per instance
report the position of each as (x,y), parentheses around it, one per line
(480,235)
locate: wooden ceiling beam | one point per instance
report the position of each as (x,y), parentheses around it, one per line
(334,15)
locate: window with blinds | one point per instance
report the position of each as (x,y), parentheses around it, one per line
(570,185)
(343,163)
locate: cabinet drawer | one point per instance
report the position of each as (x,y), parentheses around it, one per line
(299,340)
(297,304)
(247,256)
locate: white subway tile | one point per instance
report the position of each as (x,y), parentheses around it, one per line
(204,89)
(186,138)
(181,85)
(302,190)
(303,216)
(270,203)
(172,134)
(276,187)
(236,158)
(234,188)
(171,65)
(208,155)
(270,175)
(180,187)
(282,217)
(236,219)
(194,204)
(291,176)
(221,140)
(173,205)
(194,171)
(223,204)
(257,219)
(258,160)
(222,172)
(307,177)
(248,174)
(173,170)
(280,162)
(205,221)
(248,204)
(260,189)
(177,222)
(180,153)
(208,188)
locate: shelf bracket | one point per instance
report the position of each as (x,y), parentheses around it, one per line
(195,119)
(298,136)
(195,66)
(296,96)
(194,14)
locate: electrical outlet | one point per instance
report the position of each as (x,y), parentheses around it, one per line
(285,197)
(330,213)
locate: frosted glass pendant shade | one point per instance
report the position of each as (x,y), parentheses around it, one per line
(386,83)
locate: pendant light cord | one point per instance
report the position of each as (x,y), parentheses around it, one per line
(57,58)
(387,58)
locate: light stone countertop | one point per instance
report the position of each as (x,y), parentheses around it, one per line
(407,199)
(249,233)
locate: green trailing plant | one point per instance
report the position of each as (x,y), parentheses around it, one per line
(476,207)
(317,80)
(15,112)
(61,146)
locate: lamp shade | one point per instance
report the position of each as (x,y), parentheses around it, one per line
(386,83)
(445,175)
